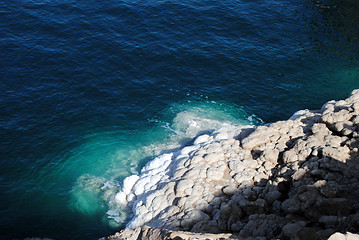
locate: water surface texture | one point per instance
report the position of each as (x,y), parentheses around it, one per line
(92,90)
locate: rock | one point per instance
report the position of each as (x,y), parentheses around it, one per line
(250,163)
(201,139)
(291,205)
(229,190)
(192,217)
(329,221)
(38,239)
(184,186)
(340,154)
(273,196)
(127,234)
(271,181)
(298,174)
(197,190)
(306,233)
(270,155)
(245,175)
(148,233)
(236,166)
(260,136)
(352,236)
(216,173)
(291,229)
(335,206)
(206,227)
(258,206)
(214,157)
(341,236)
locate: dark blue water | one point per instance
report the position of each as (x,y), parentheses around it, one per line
(91,90)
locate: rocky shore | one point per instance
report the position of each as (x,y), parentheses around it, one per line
(293,179)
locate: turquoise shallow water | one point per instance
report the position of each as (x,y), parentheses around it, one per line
(90,91)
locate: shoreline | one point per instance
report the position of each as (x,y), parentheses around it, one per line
(271,181)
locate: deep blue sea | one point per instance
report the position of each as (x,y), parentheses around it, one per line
(91,90)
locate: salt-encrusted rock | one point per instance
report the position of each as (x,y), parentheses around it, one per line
(148,233)
(213,157)
(245,175)
(201,139)
(346,236)
(340,153)
(184,187)
(230,189)
(216,173)
(260,136)
(270,155)
(292,179)
(191,217)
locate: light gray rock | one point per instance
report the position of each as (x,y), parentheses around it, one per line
(268,183)
(214,157)
(216,173)
(341,236)
(184,186)
(230,190)
(246,175)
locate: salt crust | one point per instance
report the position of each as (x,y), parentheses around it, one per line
(281,180)
(137,191)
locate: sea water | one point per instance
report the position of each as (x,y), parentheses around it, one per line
(93,90)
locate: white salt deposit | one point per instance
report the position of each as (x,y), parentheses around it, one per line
(299,114)
(230,180)
(121,198)
(128,183)
(124,195)
(144,192)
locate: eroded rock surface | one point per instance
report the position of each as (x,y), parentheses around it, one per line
(294,179)
(148,233)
